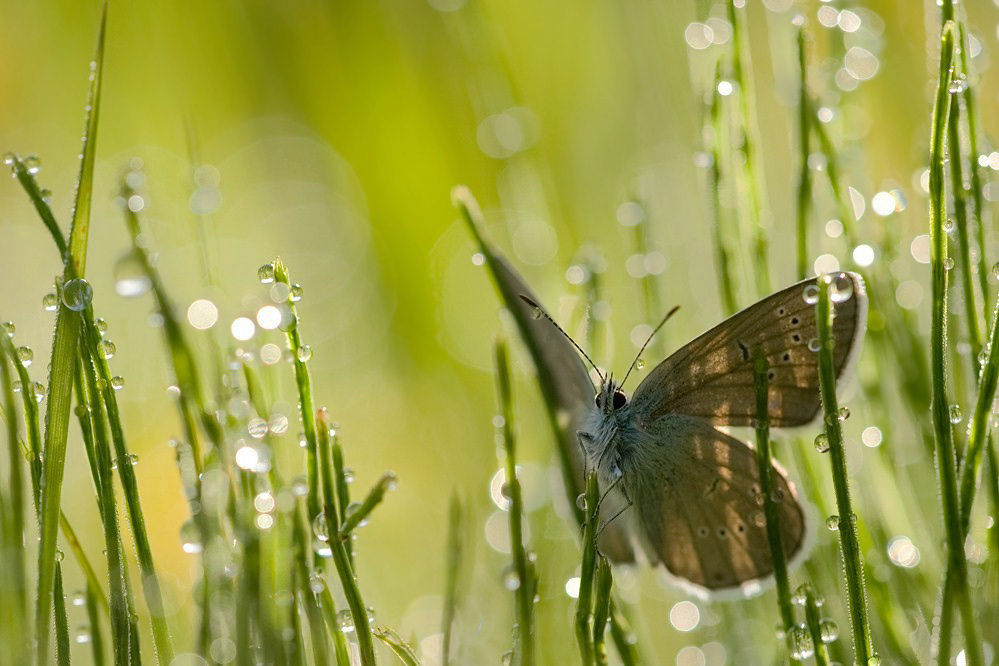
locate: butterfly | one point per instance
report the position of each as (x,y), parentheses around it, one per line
(687,495)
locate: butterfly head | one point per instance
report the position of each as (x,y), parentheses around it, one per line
(610,398)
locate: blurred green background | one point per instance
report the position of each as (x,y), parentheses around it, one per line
(332,134)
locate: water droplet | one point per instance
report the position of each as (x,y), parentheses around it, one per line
(295,293)
(59,555)
(320,528)
(640,364)
(958,84)
(843,413)
(348,474)
(581,502)
(506,659)
(832,523)
(949,263)
(266,273)
(811,294)
(948,225)
(983,356)
(299,487)
(102,325)
(106,349)
(875,660)
(345,620)
(39,390)
(955,414)
(83,634)
(822,443)
(50,302)
(32,164)
(316,583)
(813,345)
(828,630)
(129,273)
(8,328)
(537,312)
(257,428)
(800,641)
(800,595)
(117,382)
(511,579)
(25,356)
(391,481)
(79,598)
(77,294)
(304,353)
(8,159)
(46,194)
(841,288)
(478,259)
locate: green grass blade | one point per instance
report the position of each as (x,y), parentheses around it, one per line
(814,623)
(804,151)
(94,616)
(587,576)
(400,647)
(30,186)
(847,525)
(65,346)
(61,621)
(452,573)
(601,610)
(13,565)
(956,579)
(726,236)
(357,514)
(764,465)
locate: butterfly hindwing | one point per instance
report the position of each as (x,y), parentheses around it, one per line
(697,494)
(712,376)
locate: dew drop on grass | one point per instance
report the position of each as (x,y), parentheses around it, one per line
(32,164)
(801,642)
(811,294)
(511,579)
(478,259)
(25,356)
(949,263)
(814,345)
(391,481)
(800,595)
(39,390)
(257,428)
(536,312)
(266,274)
(828,630)
(832,523)
(874,660)
(101,325)
(958,85)
(843,413)
(822,443)
(8,328)
(79,598)
(955,414)
(841,288)
(8,159)
(304,353)
(190,537)
(353,508)
(130,279)
(581,502)
(50,302)
(106,349)
(639,364)
(295,293)
(345,620)
(83,634)
(948,225)
(320,528)
(316,583)
(117,382)
(46,194)
(77,294)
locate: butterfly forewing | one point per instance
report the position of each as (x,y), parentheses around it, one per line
(565,384)
(712,376)
(698,500)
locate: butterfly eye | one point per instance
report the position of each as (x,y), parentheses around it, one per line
(620,399)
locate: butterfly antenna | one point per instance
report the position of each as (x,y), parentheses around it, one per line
(651,335)
(540,312)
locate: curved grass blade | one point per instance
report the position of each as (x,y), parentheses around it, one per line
(65,346)
(400,647)
(455,557)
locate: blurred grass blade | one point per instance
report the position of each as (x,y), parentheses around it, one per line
(587,575)
(94,617)
(13,566)
(604,580)
(358,514)
(65,346)
(401,649)
(726,236)
(804,152)
(455,562)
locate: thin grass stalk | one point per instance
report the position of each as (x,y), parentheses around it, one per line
(752,172)
(584,602)
(118,598)
(974,168)
(359,513)
(960,222)
(61,621)
(14,563)
(30,186)
(651,300)
(523,592)
(833,176)
(307,593)
(303,381)
(814,624)
(31,426)
(601,609)
(130,486)
(804,150)
(624,638)
(946,460)
(65,345)
(69,535)
(93,594)
(341,562)
(342,484)
(849,544)
(455,560)
(764,465)
(724,256)
(980,423)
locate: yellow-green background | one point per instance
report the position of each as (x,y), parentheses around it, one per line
(338,129)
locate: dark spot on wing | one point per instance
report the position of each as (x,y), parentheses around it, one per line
(743,349)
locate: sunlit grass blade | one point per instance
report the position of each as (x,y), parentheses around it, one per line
(61,621)
(398,646)
(28,182)
(65,346)
(804,199)
(845,522)
(13,565)
(751,171)
(455,561)
(956,579)
(764,465)
(815,626)
(521,575)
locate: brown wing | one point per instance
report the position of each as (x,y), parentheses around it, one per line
(565,384)
(698,501)
(712,377)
